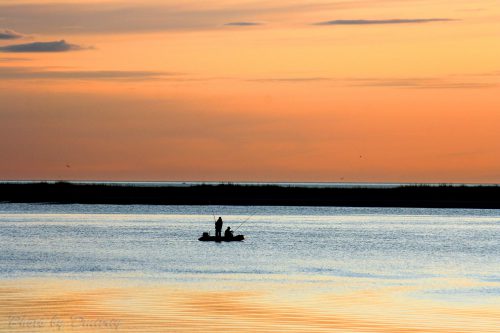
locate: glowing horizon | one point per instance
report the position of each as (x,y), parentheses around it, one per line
(379,91)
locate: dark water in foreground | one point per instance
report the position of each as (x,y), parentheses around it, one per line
(406,261)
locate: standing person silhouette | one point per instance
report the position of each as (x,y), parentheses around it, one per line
(218,227)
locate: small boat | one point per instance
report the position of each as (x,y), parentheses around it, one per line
(207,238)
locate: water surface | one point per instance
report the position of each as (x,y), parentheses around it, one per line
(300,268)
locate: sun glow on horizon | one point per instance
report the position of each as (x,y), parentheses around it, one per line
(389,91)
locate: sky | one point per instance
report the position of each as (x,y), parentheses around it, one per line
(241,90)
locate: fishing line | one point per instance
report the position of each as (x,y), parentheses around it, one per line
(248,218)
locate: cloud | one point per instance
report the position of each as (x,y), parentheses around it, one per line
(242,24)
(33,73)
(485,74)
(9,34)
(408,83)
(13,59)
(471,10)
(420,83)
(124,16)
(458,85)
(293,79)
(56,46)
(378,22)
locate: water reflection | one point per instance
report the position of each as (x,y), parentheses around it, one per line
(104,306)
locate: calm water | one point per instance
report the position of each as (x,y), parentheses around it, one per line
(293,256)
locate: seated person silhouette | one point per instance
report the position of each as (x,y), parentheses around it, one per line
(228,233)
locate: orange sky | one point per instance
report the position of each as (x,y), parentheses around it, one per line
(381,90)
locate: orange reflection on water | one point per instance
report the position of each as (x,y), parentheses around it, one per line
(104,306)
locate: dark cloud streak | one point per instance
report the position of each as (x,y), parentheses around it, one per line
(380,22)
(33,73)
(293,79)
(7,34)
(242,24)
(56,46)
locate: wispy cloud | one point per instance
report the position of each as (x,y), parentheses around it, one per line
(379,22)
(293,79)
(125,16)
(108,17)
(421,83)
(451,82)
(56,46)
(485,74)
(471,10)
(13,59)
(458,85)
(242,24)
(31,73)
(9,34)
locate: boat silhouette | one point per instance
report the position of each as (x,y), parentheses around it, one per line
(207,238)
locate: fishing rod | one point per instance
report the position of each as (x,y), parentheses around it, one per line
(212,208)
(248,218)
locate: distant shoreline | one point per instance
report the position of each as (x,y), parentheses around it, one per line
(153,183)
(428,196)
